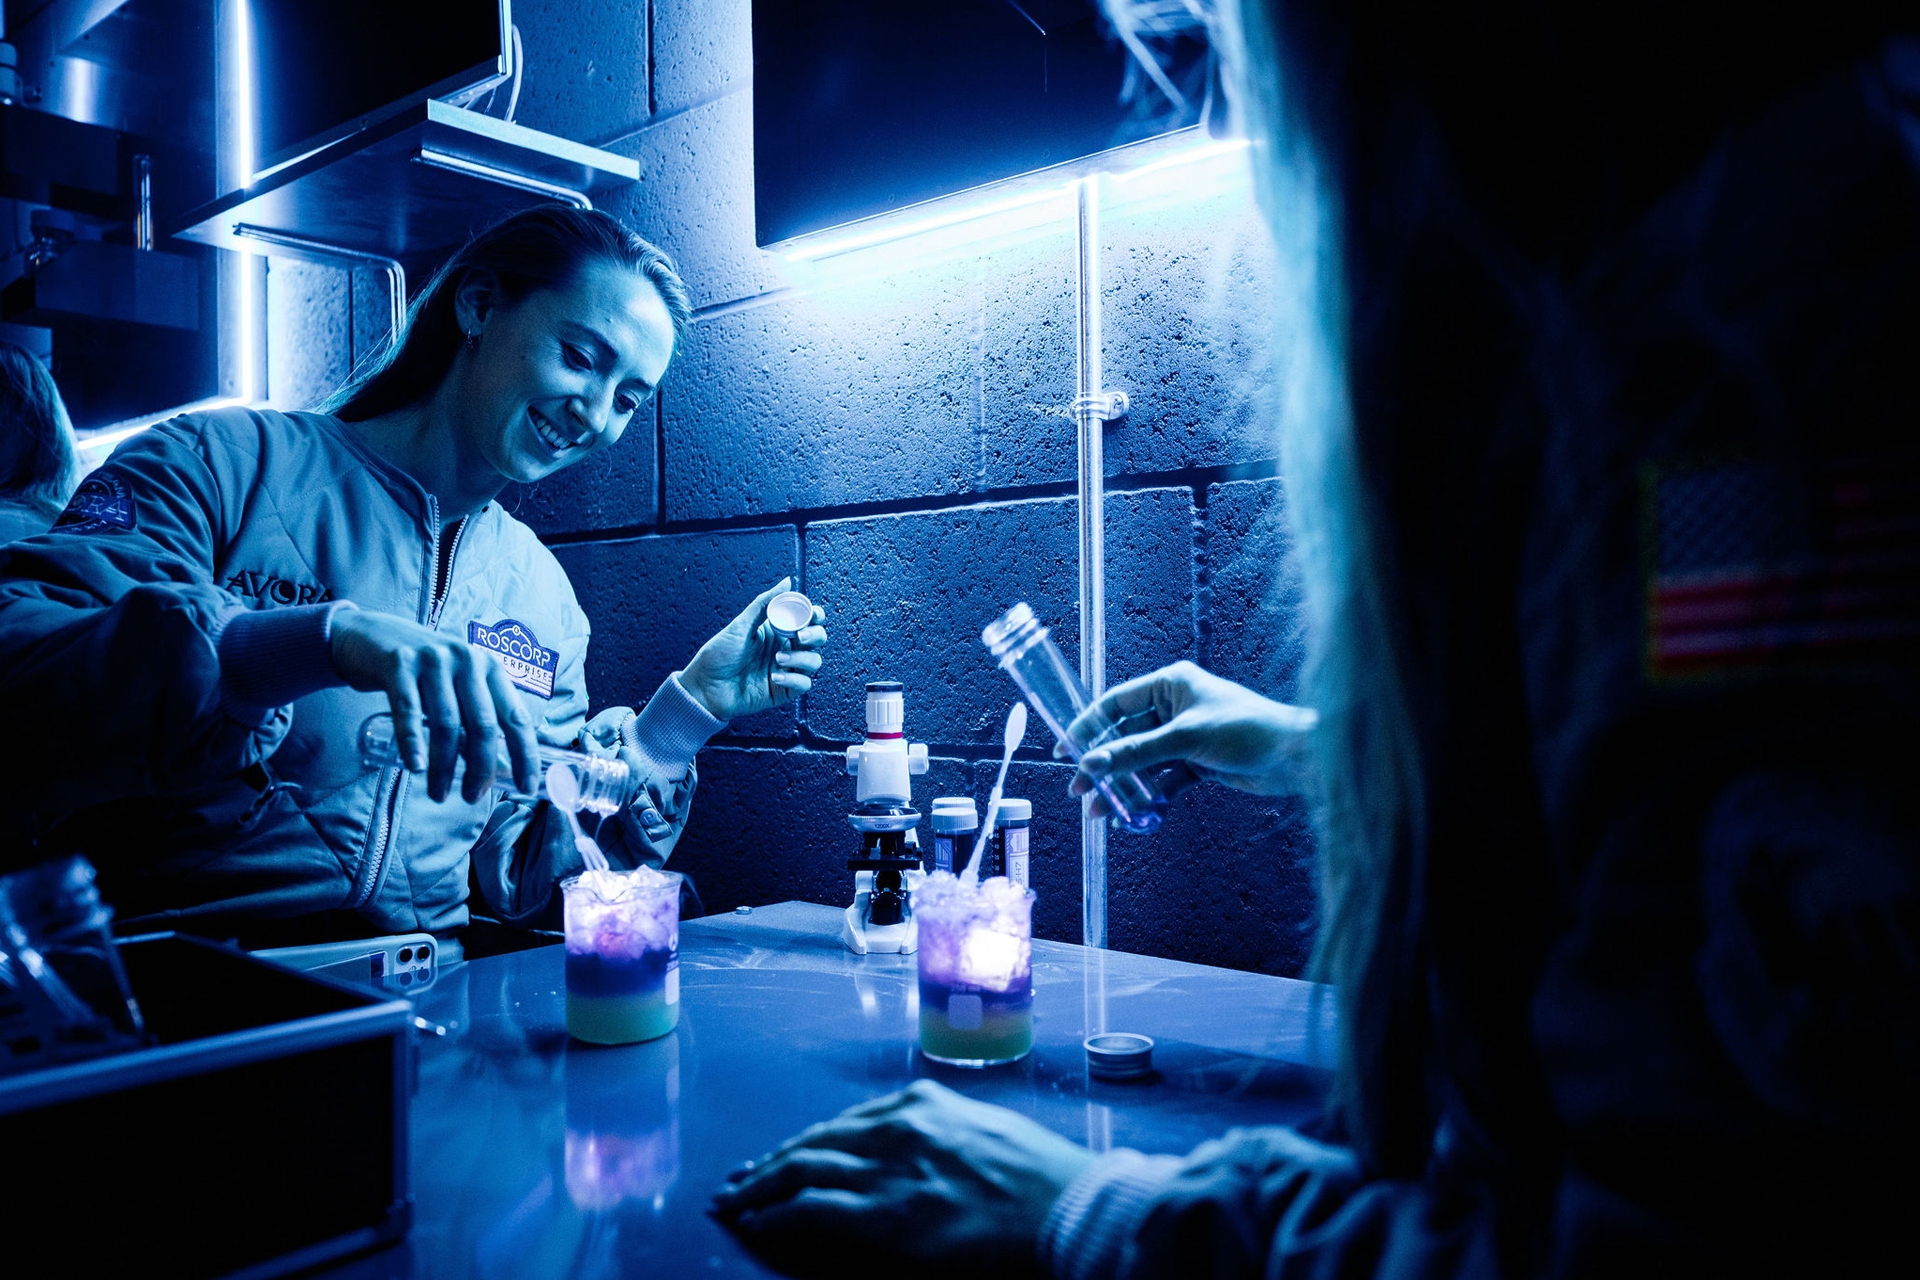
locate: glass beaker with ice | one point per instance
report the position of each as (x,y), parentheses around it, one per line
(623,955)
(976,970)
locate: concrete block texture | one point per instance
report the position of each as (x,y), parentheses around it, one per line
(373,313)
(309,332)
(702,49)
(1187,288)
(1228,880)
(1252,606)
(653,601)
(907,596)
(771,826)
(938,379)
(616,488)
(586,69)
(695,198)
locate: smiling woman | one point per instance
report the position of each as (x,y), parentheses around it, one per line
(231,798)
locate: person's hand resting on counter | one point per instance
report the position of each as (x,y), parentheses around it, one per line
(1206,726)
(924,1180)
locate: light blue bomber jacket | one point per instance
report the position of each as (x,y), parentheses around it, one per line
(164,657)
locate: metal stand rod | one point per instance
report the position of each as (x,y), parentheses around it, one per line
(333,256)
(1090,423)
(505,177)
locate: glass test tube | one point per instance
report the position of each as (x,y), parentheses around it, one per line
(1026,652)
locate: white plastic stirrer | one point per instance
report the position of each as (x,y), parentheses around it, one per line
(564,790)
(1016,734)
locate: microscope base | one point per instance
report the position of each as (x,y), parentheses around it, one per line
(862,938)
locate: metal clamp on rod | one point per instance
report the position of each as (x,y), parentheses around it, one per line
(505,177)
(334,255)
(1106,407)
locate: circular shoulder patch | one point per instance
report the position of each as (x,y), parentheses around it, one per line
(101,502)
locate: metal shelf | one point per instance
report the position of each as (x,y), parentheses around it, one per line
(407,187)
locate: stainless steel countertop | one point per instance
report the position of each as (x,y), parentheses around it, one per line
(534,1156)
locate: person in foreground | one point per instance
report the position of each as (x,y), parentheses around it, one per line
(222,604)
(1601,461)
(38,465)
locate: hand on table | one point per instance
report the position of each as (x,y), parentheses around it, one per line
(1186,716)
(743,669)
(450,700)
(922,1182)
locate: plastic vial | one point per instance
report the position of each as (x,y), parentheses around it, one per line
(1011,827)
(1027,652)
(955,826)
(603,783)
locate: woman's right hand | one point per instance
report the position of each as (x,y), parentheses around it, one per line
(449,700)
(1184,715)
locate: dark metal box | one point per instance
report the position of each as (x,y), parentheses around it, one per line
(266,1131)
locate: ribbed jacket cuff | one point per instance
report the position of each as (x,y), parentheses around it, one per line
(670,729)
(269,657)
(1087,1230)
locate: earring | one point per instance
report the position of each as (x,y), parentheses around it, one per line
(473,341)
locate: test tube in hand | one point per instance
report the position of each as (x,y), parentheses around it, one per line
(1026,652)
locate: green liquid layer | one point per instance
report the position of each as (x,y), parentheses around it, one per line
(621,1019)
(1002,1036)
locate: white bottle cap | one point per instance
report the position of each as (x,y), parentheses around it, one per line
(788,612)
(1013,811)
(1119,1055)
(955,813)
(886,709)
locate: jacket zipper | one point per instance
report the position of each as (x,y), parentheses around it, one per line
(393,786)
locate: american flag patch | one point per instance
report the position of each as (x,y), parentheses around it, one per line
(1755,566)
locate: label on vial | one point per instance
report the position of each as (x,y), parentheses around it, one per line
(1015,840)
(943,852)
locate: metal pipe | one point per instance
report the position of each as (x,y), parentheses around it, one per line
(505,177)
(1090,424)
(334,255)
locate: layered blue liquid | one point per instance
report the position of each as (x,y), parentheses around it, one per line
(589,974)
(1001,1032)
(622,999)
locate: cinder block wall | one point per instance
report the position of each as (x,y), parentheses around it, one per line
(902,446)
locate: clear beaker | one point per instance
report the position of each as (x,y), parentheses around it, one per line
(976,970)
(1027,652)
(623,954)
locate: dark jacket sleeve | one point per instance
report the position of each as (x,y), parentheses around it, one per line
(109,637)
(1261,1203)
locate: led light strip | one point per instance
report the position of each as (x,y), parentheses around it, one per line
(889,227)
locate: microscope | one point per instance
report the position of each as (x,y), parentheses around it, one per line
(888,868)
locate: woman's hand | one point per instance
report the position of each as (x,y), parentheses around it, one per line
(449,700)
(1184,715)
(923,1182)
(743,669)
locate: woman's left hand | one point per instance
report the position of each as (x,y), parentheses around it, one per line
(743,669)
(923,1182)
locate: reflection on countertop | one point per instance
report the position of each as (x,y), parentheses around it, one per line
(536,1156)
